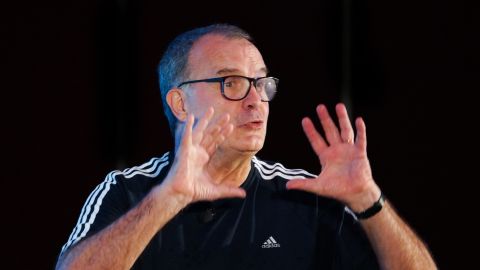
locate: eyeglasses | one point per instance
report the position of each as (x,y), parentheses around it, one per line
(237,87)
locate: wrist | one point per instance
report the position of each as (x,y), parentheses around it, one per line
(364,200)
(171,196)
(376,207)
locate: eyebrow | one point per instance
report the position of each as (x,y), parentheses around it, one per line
(225,71)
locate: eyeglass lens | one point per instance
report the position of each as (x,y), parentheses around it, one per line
(237,87)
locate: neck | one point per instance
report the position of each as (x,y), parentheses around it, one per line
(230,167)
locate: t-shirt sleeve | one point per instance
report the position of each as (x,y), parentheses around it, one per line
(105,204)
(353,249)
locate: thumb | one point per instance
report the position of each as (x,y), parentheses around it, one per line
(309,185)
(231,192)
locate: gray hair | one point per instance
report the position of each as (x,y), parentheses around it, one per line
(172,68)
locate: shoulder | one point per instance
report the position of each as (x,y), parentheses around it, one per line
(147,171)
(269,170)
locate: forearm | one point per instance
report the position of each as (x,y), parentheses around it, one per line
(395,244)
(119,245)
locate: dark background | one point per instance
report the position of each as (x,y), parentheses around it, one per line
(80,98)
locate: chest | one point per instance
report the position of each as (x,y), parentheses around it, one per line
(266,230)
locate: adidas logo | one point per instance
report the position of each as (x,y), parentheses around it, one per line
(270,243)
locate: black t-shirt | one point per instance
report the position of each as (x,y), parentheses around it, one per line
(272,228)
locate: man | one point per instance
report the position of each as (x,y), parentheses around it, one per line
(211,204)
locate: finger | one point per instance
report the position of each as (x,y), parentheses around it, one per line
(230,192)
(316,140)
(202,125)
(223,122)
(212,147)
(227,129)
(187,130)
(331,130)
(308,185)
(346,130)
(216,124)
(361,140)
(218,140)
(211,135)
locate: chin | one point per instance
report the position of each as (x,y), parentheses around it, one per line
(253,147)
(246,147)
(246,143)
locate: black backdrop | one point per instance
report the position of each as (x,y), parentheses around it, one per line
(80,98)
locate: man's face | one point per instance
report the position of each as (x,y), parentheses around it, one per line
(216,56)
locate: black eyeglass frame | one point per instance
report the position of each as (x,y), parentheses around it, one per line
(221,80)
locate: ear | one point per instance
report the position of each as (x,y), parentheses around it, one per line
(176,101)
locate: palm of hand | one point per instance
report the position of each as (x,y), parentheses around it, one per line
(189,175)
(346,171)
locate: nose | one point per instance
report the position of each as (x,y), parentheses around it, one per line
(253,99)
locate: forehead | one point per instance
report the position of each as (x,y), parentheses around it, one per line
(213,54)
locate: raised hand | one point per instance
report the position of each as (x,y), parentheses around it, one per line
(189,176)
(346,173)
